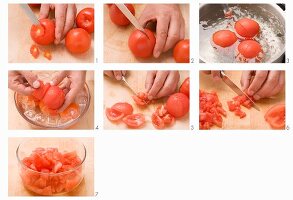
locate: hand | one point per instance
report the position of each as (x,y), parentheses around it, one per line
(261,83)
(23,82)
(72,82)
(170,25)
(216,74)
(115,74)
(64,16)
(161,83)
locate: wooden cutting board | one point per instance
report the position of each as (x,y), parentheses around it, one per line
(116,39)
(115,91)
(254,119)
(19,41)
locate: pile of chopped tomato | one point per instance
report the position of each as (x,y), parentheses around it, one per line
(48,171)
(161,118)
(210,110)
(237,102)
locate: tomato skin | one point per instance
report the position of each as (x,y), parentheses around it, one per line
(117,17)
(247,28)
(54,97)
(34,51)
(134,121)
(142,46)
(48,55)
(178,105)
(224,38)
(78,41)
(184,88)
(123,107)
(41,91)
(114,115)
(181,51)
(86,19)
(249,48)
(43,33)
(275,116)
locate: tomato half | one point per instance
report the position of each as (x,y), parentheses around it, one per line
(54,97)
(249,48)
(41,91)
(181,51)
(224,38)
(178,105)
(117,17)
(247,28)
(34,51)
(134,120)
(86,19)
(184,88)
(142,44)
(43,33)
(114,115)
(123,107)
(275,116)
(78,41)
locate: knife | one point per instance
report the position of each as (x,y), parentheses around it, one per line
(127,84)
(236,89)
(28,11)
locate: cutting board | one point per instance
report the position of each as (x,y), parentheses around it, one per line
(19,41)
(115,91)
(16,188)
(116,39)
(254,119)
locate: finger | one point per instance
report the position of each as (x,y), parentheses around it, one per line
(70,17)
(173,32)
(206,71)
(65,83)
(58,77)
(158,84)
(69,98)
(124,72)
(245,79)
(170,85)
(150,77)
(118,75)
(281,84)
(162,33)
(271,82)
(21,88)
(216,74)
(182,29)
(144,19)
(109,73)
(44,11)
(60,16)
(31,78)
(259,79)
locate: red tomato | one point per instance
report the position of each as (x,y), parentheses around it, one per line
(134,120)
(184,88)
(224,38)
(161,110)
(161,118)
(117,17)
(86,19)
(178,105)
(43,33)
(157,121)
(48,55)
(54,97)
(71,112)
(249,48)
(41,91)
(141,99)
(181,51)
(141,44)
(235,105)
(168,119)
(34,5)
(34,50)
(114,115)
(47,111)
(275,116)
(78,41)
(247,28)
(123,107)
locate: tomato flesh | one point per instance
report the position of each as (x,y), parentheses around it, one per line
(161,118)
(224,38)
(34,51)
(134,120)
(141,99)
(178,105)
(181,51)
(275,116)
(41,91)
(237,102)
(247,28)
(123,107)
(114,115)
(54,97)
(48,54)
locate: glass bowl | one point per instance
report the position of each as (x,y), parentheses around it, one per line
(45,183)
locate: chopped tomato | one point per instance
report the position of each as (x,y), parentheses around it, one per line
(48,54)
(161,118)
(141,99)
(123,107)
(275,116)
(235,105)
(161,110)
(41,91)
(178,105)
(134,120)
(168,119)
(114,115)
(157,121)
(34,50)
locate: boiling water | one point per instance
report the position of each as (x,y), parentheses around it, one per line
(270,38)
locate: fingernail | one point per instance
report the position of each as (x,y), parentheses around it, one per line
(118,77)
(157,54)
(150,97)
(256,97)
(36,84)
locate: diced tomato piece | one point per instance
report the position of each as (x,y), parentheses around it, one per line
(48,54)
(34,50)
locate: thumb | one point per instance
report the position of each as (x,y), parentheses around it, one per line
(31,78)
(58,77)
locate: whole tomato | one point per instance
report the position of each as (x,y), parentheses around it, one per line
(78,41)
(54,98)
(86,19)
(142,44)
(178,105)
(181,51)
(184,88)
(117,17)
(43,33)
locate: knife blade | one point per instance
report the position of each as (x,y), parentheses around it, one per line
(127,84)
(28,11)
(236,89)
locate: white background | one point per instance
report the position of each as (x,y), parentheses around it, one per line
(165,165)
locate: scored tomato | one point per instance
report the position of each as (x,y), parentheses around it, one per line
(134,120)
(86,19)
(34,50)
(224,38)
(117,17)
(54,97)
(123,107)
(181,51)
(178,105)
(142,44)
(184,88)
(247,28)
(78,41)
(43,33)
(275,116)
(114,115)
(41,91)
(249,49)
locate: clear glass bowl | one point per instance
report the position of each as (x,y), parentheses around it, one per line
(49,184)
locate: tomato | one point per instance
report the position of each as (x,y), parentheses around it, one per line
(275,116)
(34,5)
(238,101)
(168,119)
(184,88)
(224,38)
(141,99)
(249,48)
(86,19)
(157,121)
(134,120)
(161,118)
(47,111)
(161,110)
(34,50)
(178,105)
(247,28)
(117,17)
(41,91)
(71,112)
(43,33)
(78,41)
(54,97)
(142,44)
(181,51)
(114,115)
(123,107)
(47,54)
